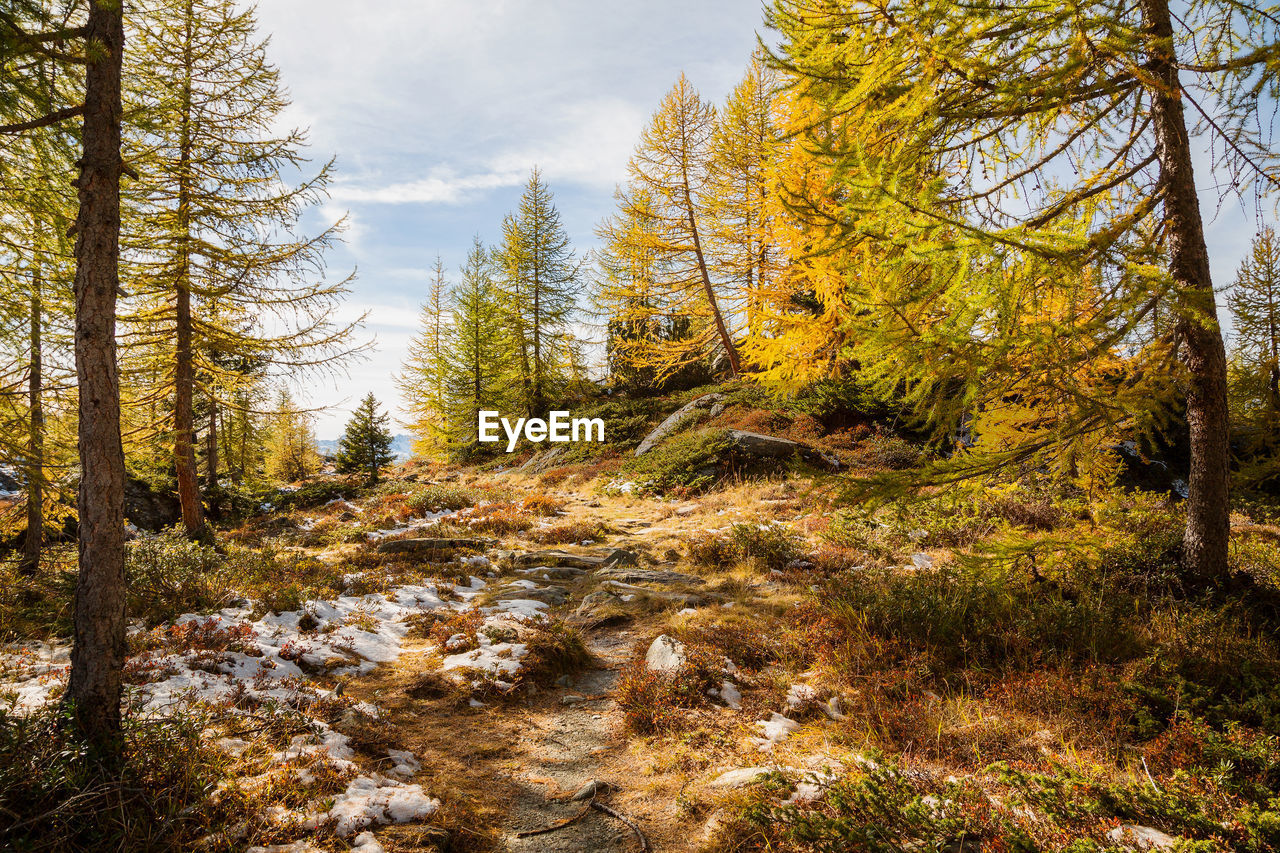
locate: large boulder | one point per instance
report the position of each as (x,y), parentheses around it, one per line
(148,509)
(677,420)
(762,446)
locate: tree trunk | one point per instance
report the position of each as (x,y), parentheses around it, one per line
(725,340)
(97,657)
(184,451)
(1199,336)
(29,565)
(211,453)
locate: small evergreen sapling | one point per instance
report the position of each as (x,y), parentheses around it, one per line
(366,444)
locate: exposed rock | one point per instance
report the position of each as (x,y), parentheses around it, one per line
(594,788)
(772,447)
(683,599)
(147,508)
(427,547)
(553,596)
(666,654)
(558,573)
(648,576)
(676,421)
(740,778)
(563,559)
(540,462)
(598,603)
(1141,838)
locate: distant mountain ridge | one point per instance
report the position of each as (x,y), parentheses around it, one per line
(401,446)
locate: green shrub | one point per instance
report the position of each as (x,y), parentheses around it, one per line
(765,546)
(689,462)
(169,575)
(887,450)
(440,498)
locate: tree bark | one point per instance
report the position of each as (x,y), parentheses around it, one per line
(97,657)
(1199,336)
(184,452)
(29,565)
(211,453)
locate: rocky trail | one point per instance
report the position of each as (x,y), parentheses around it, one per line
(553,772)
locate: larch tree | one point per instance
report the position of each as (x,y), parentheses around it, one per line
(94,687)
(1060,132)
(671,173)
(290,448)
(478,357)
(539,278)
(36,272)
(424,376)
(1254,301)
(647,334)
(221,272)
(365,446)
(738,196)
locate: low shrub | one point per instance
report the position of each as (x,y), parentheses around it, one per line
(887,450)
(555,650)
(446,497)
(499,518)
(569,533)
(765,546)
(685,464)
(543,505)
(57,794)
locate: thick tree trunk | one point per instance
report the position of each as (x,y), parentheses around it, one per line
(97,658)
(1199,336)
(30,563)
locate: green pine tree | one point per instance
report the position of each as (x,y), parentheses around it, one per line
(539,281)
(477,356)
(1255,366)
(366,444)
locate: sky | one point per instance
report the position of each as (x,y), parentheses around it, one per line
(437,110)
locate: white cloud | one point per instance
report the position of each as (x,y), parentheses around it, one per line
(441,186)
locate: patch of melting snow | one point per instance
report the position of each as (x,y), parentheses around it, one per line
(275,653)
(775,730)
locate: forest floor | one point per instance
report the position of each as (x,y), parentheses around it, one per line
(618,655)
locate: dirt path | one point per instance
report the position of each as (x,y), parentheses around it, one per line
(518,763)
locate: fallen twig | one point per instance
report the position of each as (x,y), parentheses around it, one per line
(561,825)
(601,807)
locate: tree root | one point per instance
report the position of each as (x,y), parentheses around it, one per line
(601,807)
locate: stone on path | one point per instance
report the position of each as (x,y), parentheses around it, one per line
(563,559)
(666,654)
(634,576)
